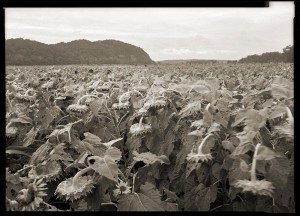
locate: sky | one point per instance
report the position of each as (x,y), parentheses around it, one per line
(164,33)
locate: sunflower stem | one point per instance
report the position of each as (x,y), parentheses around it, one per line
(84,96)
(141,122)
(133,181)
(253,166)
(123,95)
(163,92)
(290,117)
(200,148)
(9,103)
(80,173)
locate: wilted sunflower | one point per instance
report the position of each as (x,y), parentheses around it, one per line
(155,103)
(259,187)
(105,87)
(26,97)
(122,188)
(140,129)
(31,197)
(74,188)
(77,109)
(11,132)
(142,112)
(121,106)
(11,205)
(127,95)
(49,171)
(198,157)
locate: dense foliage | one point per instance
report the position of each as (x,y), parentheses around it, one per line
(214,137)
(28,52)
(287,55)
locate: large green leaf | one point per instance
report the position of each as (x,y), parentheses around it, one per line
(191,166)
(133,143)
(58,153)
(255,119)
(205,196)
(278,172)
(91,138)
(222,118)
(138,202)
(265,153)
(282,88)
(149,158)
(161,143)
(99,195)
(199,198)
(238,171)
(46,116)
(169,206)
(30,136)
(106,166)
(151,191)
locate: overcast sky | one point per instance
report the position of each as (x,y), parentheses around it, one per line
(164,33)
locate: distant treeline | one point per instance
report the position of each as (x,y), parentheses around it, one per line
(28,52)
(287,55)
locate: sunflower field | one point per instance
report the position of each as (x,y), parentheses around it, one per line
(182,137)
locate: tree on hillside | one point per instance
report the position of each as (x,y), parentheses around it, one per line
(288,53)
(286,56)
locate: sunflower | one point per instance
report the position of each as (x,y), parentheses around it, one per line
(105,87)
(11,205)
(121,106)
(122,188)
(198,157)
(141,112)
(50,171)
(259,187)
(31,197)
(11,132)
(77,109)
(142,89)
(140,129)
(26,97)
(155,103)
(71,189)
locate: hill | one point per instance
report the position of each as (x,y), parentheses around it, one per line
(28,52)
(191,61)
(287,55)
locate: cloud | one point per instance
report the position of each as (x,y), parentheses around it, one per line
(165,33)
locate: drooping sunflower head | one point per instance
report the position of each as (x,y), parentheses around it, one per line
(142,89)
(49,171)
(140,129)
(105,87)
(196,157)
(257,187)
(30,198)
(142,112)
(11,132)
(26,98)
(70,190)
(11,205)
(156,104)
(77,109)
(191,109)
(121,106)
